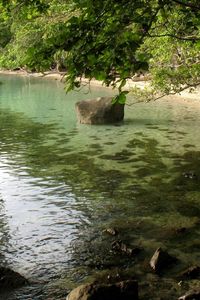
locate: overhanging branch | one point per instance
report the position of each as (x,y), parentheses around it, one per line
(183,38)
(185,87)
(188,4)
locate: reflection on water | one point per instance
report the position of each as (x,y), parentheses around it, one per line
(63,183)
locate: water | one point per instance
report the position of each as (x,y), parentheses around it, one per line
(63,183)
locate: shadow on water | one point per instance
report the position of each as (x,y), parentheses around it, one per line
(149,193)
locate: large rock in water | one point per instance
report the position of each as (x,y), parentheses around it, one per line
(10,279)
(125,290)
(99,111)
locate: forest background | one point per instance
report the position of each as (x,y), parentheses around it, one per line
(107,40)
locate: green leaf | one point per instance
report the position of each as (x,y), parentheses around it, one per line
(122,84)
(121,98)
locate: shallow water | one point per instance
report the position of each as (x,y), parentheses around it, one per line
(63,183)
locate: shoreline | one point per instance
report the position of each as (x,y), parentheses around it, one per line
(47,74)
(185,96)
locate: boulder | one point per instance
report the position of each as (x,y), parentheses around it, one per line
(10,279)
(161,260)
(99,111)
(119,291)
(192,295)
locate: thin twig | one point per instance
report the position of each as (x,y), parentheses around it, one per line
(187,4)
(186,38)
(195,85)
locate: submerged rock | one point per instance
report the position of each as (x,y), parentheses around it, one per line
(180,230)
(191,273)
(119,291)
(99,111)
(113,277)
(111,231)
(192,295)
(190,175)
(121,247)
(160,260)
(10,279)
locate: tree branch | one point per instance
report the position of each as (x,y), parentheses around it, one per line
(187,86)
(187,4)
(186,38)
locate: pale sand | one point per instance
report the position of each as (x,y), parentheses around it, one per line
(185,96)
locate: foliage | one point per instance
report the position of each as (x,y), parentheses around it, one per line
(37,33)
(109,40)
(174,44)
(106,36)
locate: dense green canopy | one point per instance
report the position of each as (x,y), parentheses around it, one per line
(109,40)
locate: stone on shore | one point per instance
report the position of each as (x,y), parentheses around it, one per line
(123,290)
(10,279)
(99,111)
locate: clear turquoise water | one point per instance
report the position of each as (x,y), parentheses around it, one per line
(63,183)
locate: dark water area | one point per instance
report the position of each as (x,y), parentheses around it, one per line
(63,183)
